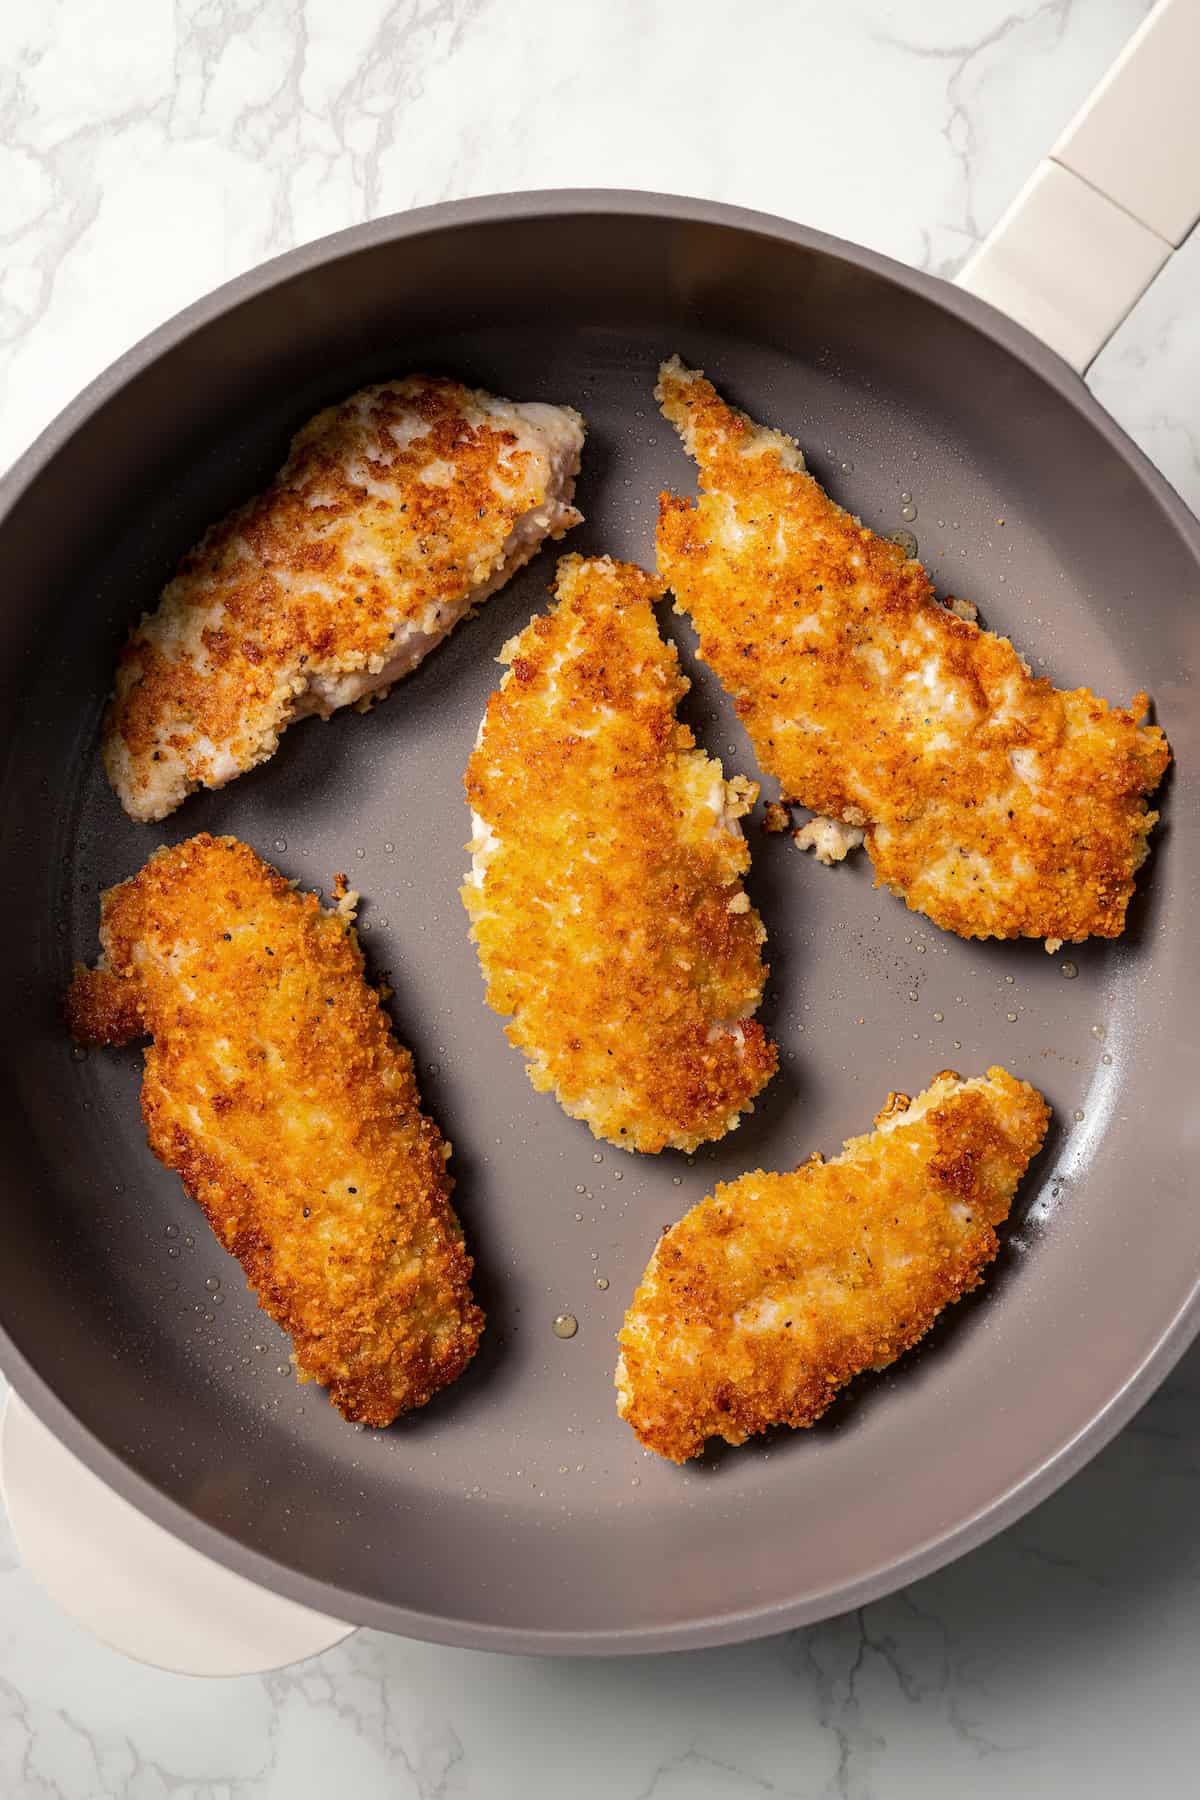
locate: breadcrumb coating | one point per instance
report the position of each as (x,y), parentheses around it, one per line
(993,802)
(276,1089)
(776,1290)
(606,899)
(397,512)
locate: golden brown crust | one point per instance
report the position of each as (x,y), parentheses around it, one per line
(770,1295)
(392,507)
(103,1009)
(276,1089)
(607,903)
(993,802)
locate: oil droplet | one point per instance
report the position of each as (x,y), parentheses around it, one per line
(906,499)
(1098,1031)
(190,1242)
(579,1218)
(1077,1115)
(847,468)
(281,843)
(218,1300)
(213,1283)
(1070,970)
(174,1250)
(958,1043)
(1106,1058)
(389,848)
(1011,1017)
(579,1188)
(78,1053)
(1010,979)
(563,1469)
(913,994)
(565,1325)
(172,1231)
(908,510)
(636,1482)
(618,1175)
(360,853)
(602,1281)
(677,1180)
(905,541)
(938,1017)
(596,1156)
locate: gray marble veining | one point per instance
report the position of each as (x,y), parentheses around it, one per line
(147,153)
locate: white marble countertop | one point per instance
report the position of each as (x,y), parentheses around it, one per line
(147,153)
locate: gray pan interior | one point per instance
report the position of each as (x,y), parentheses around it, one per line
(517,1511)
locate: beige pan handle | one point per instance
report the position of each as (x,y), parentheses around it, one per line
(1118,192)
(132,1584)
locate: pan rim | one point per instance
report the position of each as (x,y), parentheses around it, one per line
(1022,1494)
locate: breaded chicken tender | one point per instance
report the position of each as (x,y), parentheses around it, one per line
(775,1291)
(605,895)
(276,1089)
(397,512)
(994,803)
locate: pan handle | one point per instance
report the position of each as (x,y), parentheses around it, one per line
(131,1582)
(1118,192)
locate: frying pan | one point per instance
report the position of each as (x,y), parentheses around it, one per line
(516,1511)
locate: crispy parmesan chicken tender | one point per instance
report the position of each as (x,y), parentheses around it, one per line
(397,512)
(276,1089)
(996,804)
(775,1291)
(605,895)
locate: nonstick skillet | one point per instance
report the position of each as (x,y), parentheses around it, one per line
(517,1511)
